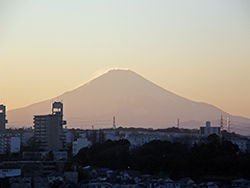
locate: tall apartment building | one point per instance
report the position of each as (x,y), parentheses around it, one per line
(3,120)
(49,129)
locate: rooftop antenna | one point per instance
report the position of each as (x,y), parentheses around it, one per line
(221,122)
(228,124)
(114,127)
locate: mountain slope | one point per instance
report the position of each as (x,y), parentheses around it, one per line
(134,101)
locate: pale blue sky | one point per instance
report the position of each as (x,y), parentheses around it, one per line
(197,49)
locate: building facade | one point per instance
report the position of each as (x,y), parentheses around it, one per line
(10,142)
(243,144)
(3,119)
(49,129)
(209,130)
(79,144)
(15,144)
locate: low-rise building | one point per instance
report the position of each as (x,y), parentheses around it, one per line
(69,136)
(240,183)
(207,130)
(209,185)
(79,144)
(10,142)
(241,143)
(43,155)
(47,167)
(96,185)
(23,182)
(9,171)
(71,177)
(40,182)
(15,144)
(56,178)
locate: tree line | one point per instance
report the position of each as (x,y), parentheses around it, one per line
(213,157)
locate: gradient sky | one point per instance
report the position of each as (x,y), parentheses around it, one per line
(196,49)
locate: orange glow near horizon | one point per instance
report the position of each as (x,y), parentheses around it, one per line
(198,50)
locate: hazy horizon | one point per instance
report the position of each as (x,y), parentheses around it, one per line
(198,50)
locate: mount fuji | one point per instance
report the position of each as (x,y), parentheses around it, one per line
(133,100)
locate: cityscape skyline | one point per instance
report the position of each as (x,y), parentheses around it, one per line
(198,50)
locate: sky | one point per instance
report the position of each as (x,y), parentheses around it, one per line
(199,50)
